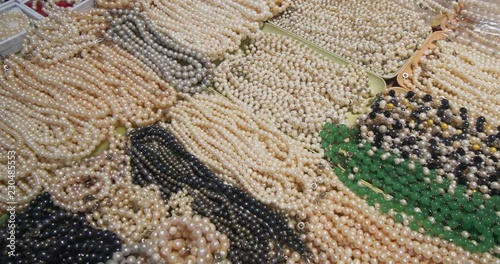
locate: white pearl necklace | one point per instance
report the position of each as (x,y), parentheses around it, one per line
(244,149)
(299,91)
(462,74)
(380,43)
(12,24)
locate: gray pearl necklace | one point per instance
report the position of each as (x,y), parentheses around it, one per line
(187,70)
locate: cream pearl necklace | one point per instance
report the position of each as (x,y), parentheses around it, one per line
(187,70)
(13,23)
(82,186)
(280,79)
(348,28)
(463,75)
(277,170)
(51,43)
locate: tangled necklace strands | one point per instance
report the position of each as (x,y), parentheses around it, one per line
(13,23)
(437,136)
(193,238)
(50,43)
(47,234)
(278,171)
(446,71)
(278,78)
(210,195)
(81,187)
(347,202)
(136,33)
(348,28)
(215,28)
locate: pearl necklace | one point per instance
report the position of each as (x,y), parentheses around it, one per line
(186,237)
(276,169)
(13,23)
(452,69)
(50,43)
(348,28)
(280,79)
(157,158)
(132,31)
(84,185)
(48,234)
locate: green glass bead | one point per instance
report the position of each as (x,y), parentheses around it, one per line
(469,246)
(414,226)
(480,227)
(454,205)
(418,216)
(468,207)
(437,230)
(323,134)
(448,235)
(467,222)
(425,200)
(452,224)
(426,224)
(384,208)
(398,218)
(399,207)
(459,240)
(482,248)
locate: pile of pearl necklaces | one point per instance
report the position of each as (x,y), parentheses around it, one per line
(211,27)
(462,74)
(299,91)
(379,43)
(277,170)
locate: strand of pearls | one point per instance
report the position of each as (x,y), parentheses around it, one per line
(13,23)
(105,87)
(299,91)
(244,149)
(83,186)
(379,43)
(131,211)
(462,74)
(211,27)
(50,43)
(185,69)
(189,238)
(481,11)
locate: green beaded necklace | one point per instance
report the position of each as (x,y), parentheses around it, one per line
(411,192)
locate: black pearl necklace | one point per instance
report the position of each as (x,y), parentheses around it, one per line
(157,157)
(48,234)
(187,70)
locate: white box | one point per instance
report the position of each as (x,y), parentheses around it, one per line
(84,6)
(15,43)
